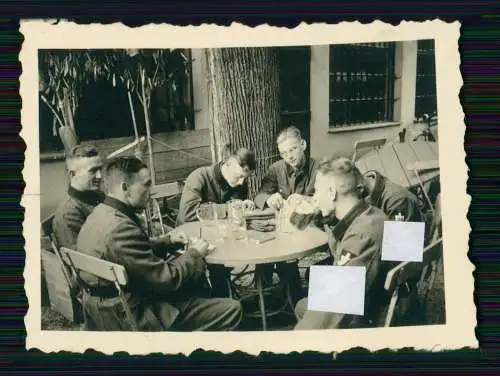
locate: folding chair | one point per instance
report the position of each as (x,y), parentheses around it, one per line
(422,167)
(62,288)
(102,269)
(374,143)
(405,272)
(164,193)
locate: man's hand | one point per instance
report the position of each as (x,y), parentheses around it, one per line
(344,258)
(275,201)
(248,205)
(295,199)
(178,237)
(201,246)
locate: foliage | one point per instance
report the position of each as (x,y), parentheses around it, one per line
(64,73)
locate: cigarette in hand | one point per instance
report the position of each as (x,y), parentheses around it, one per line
(266,240)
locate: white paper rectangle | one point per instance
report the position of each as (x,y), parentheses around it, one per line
(403,241)
(337,289)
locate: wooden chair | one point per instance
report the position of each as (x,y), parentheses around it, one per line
(163,193)
(61,288)
(102,269)
(420,169)
(406,272)
(374,143)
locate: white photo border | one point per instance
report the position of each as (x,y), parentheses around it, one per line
(459,330)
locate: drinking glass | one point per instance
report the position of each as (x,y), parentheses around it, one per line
(236,220)
(207,215)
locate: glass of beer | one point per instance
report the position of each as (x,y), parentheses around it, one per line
(207,215)
(236,220)
(303,214)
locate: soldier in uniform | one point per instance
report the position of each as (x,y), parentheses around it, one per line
(84,166)
(356,240)
(161,293)
(217,184)
(294,174)
(392,198)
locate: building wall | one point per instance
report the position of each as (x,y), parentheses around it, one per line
(326,141)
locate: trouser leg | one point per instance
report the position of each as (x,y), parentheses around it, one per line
(208,315)
(219,277)
(266,273)
(326,261)
(308,320)
(290,275)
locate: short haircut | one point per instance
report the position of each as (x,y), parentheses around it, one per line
(287,133)
(120,168)
(80,151)
(350,178)
(245,158)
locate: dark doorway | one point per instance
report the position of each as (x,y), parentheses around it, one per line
(294,67)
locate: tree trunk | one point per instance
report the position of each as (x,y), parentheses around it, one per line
(244,108)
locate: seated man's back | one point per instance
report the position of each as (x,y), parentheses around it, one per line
(392,198)
(355,240)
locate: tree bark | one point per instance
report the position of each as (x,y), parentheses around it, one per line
(244,106)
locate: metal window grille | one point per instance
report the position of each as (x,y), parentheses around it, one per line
(361,83)
(426,100)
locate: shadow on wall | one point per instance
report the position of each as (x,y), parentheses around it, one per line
(53,186)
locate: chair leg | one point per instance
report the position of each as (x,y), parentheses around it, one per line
(392,306)
(126,307)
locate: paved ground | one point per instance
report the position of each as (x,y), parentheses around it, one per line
(434,311)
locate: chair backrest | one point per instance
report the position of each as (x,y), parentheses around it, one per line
(167,190)
(47,226)
(100,268)
(421,166)
(367,144)
(436,223)
(407,271)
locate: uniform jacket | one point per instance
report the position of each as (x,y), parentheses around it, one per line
(282,178)
(392,198)
(360,234)
(72,213)
(206,184)
(112,232)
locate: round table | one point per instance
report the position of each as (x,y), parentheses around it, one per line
(260,248)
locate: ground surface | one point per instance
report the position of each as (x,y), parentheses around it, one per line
(434,311)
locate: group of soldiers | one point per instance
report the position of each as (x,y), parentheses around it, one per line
(172,294)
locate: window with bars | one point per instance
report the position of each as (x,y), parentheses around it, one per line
(361,83)
(425,92)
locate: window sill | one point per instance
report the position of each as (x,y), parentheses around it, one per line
(360,127)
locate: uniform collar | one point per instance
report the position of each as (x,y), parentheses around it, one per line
(93,198)
(341,227)
(122,207)
(305,167)
(219,178)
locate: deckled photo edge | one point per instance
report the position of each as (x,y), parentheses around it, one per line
(460,313)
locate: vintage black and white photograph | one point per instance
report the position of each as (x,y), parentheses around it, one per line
(283,188)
